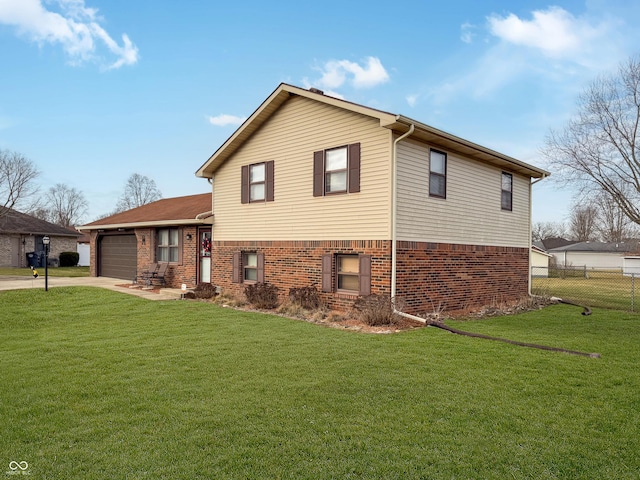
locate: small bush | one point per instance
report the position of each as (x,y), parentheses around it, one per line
(205,291)
(69,259)
(229,300)
(376,310)
(262,295)
(306,297)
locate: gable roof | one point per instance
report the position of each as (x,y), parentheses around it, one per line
(189,210)
(395,122)
(13,221)
(555,242)
(597,247)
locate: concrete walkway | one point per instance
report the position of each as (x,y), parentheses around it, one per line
(16,283)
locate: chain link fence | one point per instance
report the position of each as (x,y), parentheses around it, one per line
(606,288)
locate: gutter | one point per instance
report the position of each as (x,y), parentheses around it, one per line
(531,184)
(394,227)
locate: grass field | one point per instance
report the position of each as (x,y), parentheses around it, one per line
(97,384)
(52,271)
(599,289)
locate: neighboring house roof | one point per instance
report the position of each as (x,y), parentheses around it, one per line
(597,247)
(12,221)
(537,249)
(538,245)
(395,122)
(189,210)
(555,242)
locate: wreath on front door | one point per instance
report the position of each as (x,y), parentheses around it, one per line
(206,245)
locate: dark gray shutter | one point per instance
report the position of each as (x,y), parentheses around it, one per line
(244,190)
(365,275)
(354,167)
(236,273)
(269,187)
(327,267)
(318,173)
(260,268)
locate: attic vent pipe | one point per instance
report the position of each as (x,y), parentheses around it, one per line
(316,90)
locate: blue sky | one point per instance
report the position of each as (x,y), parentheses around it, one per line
(95,90)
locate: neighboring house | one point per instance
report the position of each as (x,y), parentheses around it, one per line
(22,234)
(539,261)
(314,190)
(594,255)
(173,230)
(553,242)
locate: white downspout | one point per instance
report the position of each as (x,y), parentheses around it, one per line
(394,226)
(531,184)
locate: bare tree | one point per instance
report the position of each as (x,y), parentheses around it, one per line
(582,223)
(543,230)
(66,205)
(17,175)
(598,149)
(612,224)
(138,191)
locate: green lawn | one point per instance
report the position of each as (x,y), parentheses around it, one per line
(598,289)
(52,271)
(97,384)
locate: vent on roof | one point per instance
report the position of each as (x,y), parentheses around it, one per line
(316,90)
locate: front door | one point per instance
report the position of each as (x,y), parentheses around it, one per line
(204,256)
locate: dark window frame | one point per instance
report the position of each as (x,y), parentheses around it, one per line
(330,274)
(239,267)
(269,182)
(352,171)
(441,176)
(506,196)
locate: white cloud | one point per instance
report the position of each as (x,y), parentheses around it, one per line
(551,47)
(467,32)
(555,32)
(223,120)
(335,73)
(75,26)
(412,100)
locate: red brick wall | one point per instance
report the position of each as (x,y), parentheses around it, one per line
(457,277)
(177,273)
(299,264)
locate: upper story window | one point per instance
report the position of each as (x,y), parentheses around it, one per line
(336,170)
(257,182)
(437,174)
(168,245)
(507,191)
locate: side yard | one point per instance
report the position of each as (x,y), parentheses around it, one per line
(97,384)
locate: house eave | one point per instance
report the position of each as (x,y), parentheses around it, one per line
(266,109)
(467,148)
(397,123)
(146,224)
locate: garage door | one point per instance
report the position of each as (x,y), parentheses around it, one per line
(117,256)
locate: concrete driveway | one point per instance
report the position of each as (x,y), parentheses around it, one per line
(16,283)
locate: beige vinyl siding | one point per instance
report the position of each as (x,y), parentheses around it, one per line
(289,138)
(471,213)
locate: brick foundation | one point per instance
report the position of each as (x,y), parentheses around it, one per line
(459,277)
(430,275)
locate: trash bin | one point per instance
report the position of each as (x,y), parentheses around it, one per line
(32,259)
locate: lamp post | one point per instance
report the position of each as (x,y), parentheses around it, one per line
(46,241)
